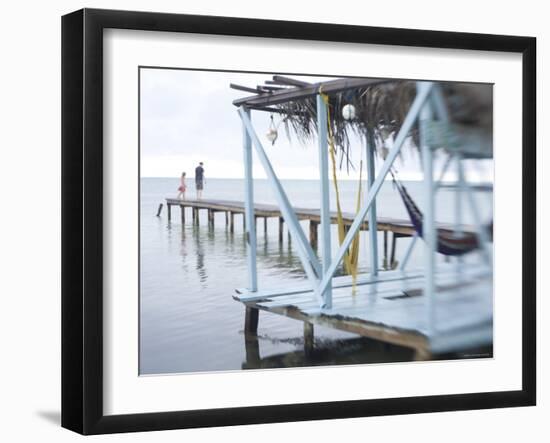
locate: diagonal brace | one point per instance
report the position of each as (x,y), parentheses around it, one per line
(307,257)
(424,91)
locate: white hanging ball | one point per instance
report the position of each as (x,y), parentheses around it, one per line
(348,112)
(271,135)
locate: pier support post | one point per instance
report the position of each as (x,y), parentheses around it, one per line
(322,126)
(385,260)
(169,207)
(211,218)
(281,220)
(250,229)
(159,210)
(232,222)
(393,244)
(196,215)
(308,338)
(265,226)
(226,218)
(182,214)
(373,225)
(251,320)
(313,233)
(428,231)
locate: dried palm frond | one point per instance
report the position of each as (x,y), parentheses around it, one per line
(380,110)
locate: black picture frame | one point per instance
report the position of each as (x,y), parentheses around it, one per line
(82,215)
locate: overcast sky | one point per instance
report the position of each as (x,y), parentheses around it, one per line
(188,117)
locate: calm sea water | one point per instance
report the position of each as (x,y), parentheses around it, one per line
(188,319)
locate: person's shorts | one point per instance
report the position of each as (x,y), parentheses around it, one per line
(198,185)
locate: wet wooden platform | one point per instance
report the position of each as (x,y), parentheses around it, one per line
(391,308)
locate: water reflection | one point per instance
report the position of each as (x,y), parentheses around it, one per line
(199,252)
(324,352)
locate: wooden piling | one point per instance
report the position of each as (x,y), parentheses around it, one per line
(385,261)
(265,226)
(159,210)
(211,217)
(313,233)
(231,222)
(226,218)
(392,255)
(169,207)
(281,221)
(251,320)
(182,214)
(308,338)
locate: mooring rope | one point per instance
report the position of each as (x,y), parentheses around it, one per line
(351,257)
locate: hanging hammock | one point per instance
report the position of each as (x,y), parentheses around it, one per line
(449,242)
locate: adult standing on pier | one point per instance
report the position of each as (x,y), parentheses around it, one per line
(199,180)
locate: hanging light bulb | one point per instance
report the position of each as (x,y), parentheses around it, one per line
(348,112)
(272,133)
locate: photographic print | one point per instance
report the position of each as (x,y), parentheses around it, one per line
(311,209)
(296,219)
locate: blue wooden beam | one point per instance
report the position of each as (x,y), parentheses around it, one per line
(325,195)
(429,233)
(373,224)
(249,211)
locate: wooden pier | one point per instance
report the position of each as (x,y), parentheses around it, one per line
(397,227)
(390,308)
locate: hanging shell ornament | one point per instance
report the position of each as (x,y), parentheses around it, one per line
(272,133)
(348,112)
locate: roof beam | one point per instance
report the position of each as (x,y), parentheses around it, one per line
(291,94)
(281,80)
(245,88)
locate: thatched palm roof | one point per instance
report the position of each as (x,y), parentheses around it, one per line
(380,105)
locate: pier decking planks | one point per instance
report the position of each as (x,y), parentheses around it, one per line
(262,210)
(393,310)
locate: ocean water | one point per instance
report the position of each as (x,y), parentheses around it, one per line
(189,321)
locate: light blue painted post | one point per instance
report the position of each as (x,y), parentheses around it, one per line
(249,211)
(325,196)
(409,121)
(373,224)
(305,252)
(409,252)
(428,225)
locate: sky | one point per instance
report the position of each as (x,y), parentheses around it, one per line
(188,117)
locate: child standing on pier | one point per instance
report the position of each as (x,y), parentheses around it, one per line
(183,187)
